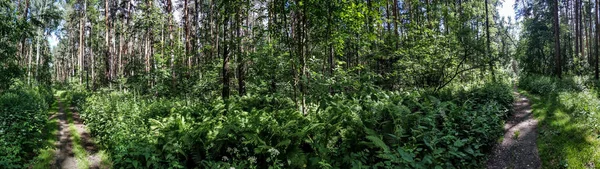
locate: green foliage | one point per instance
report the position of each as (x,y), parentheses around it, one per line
(372,129)
(568,113)
(545,85)
(11,30)
(76,97)
(22,119)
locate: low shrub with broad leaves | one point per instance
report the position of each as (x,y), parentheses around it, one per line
(381,129)
(578,94)
(23,115)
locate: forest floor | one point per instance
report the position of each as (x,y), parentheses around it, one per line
(518,148)
(563,140)
(74,148)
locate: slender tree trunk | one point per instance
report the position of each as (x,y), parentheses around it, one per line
(25,13)
(37,54)
(587,36)
(107,42)
(29,68)
(186,27)
(596,74)
(240,53)
(580,23)
(577,30)
(225,92)
(171,39)
(301,21)
(487,33)
(81,42)
(93,60)
(557,40)
(395,8)
(330,41)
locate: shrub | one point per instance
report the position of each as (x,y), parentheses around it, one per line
(537,84)
(584,105)
(381,129)
(75,97)
(22,118)
(578,95)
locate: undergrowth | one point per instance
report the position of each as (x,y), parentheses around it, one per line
(449,129)
(568,111)
(23,115)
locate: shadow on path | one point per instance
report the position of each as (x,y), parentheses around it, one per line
(518,148)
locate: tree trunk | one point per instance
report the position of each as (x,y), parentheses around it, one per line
(186,27)
(331,50)
(107,42)
(557,40)
(577,30)
(225,92)
(81,42)
(240,54)
(25,12)
(581,24)
(488,51)
(596,74)
(172,53)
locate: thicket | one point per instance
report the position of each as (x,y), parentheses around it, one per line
(579,94)
(449,129)
(23,114)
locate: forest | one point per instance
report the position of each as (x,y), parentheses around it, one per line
(299,84)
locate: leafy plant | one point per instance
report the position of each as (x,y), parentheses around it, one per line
(22,118)
(370,129)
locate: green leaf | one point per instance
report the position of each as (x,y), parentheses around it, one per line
(408,157)
(379,143)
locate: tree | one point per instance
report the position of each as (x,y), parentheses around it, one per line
(596,74)
(107,54)
(557,40)
(488,42)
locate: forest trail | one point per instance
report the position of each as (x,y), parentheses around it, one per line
(518,148)
(68,154)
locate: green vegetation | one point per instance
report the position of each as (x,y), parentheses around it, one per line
(77,148)
(22,122)
(45,156)
(384,129)
(297,83)
(568,113)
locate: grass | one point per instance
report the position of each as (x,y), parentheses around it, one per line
(46,155)
(78,150)
(563,140)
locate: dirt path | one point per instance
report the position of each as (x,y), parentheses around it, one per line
(518,148)
(86,141)
(64,156)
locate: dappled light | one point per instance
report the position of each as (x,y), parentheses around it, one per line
(273,84)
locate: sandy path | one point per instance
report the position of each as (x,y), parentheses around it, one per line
(64,156)
(518,148)
(86,141)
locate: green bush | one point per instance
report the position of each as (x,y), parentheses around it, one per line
(75,97)
(22,118)
(543,85)
(578,94)
(584,105)
(381,129)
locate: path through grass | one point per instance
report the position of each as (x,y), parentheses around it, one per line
(55,154)
(563,140)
